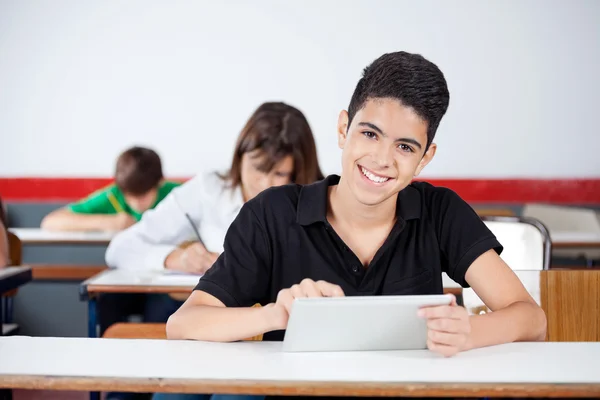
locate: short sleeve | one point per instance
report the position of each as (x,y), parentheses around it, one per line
(461,234)
(96,203)
(241,275)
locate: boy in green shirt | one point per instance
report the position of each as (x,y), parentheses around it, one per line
(139,186)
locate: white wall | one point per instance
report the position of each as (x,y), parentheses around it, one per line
(82,80)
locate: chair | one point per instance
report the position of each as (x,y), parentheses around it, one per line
(15,253)
(15,249)
(135,330)
(526,247)
(568,221)
(144,330)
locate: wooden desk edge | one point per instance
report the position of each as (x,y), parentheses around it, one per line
(265,387)
(575,245)
(65,271)
(97,289)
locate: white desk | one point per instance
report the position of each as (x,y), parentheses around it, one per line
(575,239)
(568,226)
(118,280)
(521,369)
(576,244)
(13,277)
(131,281)
(40,236)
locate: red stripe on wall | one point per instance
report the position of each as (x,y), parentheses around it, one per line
(502,191)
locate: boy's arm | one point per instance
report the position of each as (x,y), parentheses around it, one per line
(96,212)
(64,219)
(204,317)
(515,317)
(471,254)
(220,308)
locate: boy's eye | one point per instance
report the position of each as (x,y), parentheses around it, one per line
(405,147)
(369,134)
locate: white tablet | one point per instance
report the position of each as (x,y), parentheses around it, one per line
(357,323)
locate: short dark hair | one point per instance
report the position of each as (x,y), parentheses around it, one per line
(409,78)
(277,130)
(138,171)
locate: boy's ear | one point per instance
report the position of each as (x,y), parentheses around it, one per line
(342,128)
(427,157)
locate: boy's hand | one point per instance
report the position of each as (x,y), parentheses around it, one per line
(307,288)
(449,328)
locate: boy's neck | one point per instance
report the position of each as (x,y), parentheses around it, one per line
(343,206)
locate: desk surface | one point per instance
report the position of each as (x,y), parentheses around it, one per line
(13,277)
(131,281)
(40,236)
(262,368)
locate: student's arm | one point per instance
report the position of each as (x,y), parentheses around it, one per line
(64,219)
(515,315)
(96,212)
(4,255)
(220,308)
(152,243)
(471,253)
(204,317)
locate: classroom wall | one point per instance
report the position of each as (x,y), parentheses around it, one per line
(83,80)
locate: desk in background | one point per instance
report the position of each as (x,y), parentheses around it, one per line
(11,278)
(132,281)
(59,262)
(516,369)
(584,244)
(43,241)
(575,231)
(569,297)
(575,239)
(41,236)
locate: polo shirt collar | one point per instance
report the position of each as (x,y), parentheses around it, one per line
(312,202)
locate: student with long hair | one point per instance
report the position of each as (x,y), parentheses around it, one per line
(186,231)
(275,147)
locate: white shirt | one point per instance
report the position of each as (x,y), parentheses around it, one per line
(211,205)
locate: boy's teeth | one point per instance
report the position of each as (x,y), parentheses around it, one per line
(373,177)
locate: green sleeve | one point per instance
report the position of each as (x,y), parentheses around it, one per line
(97,203)
(165,189)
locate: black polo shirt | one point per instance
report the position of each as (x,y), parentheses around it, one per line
(282,236)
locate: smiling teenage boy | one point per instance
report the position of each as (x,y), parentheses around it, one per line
(369,231)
